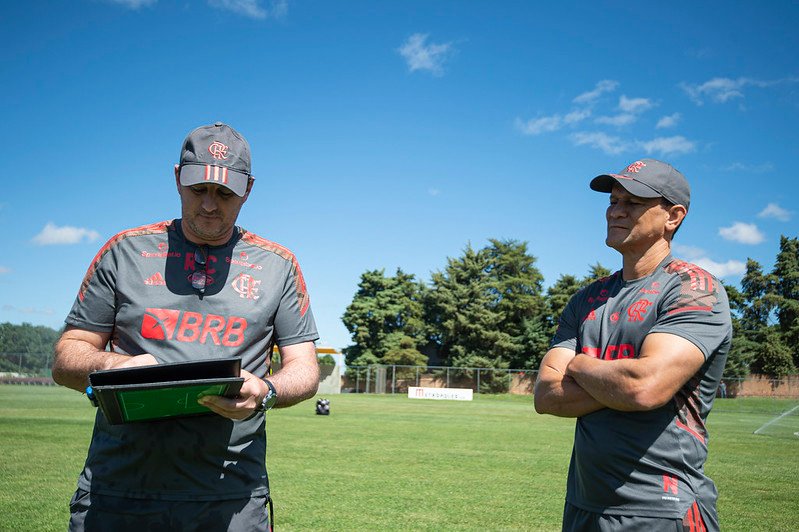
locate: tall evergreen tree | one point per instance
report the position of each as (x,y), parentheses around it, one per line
(759,330)
(383,313)
(595,272)
(483,309)
(786,290)
(743,348)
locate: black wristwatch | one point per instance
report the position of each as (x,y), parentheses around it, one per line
(269,399)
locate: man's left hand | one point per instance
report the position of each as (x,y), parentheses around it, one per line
(252,392)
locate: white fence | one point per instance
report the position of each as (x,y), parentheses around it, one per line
(397,379)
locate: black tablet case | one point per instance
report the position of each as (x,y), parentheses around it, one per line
(162,391)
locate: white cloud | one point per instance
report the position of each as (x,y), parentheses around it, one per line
(668,145)
(132,4)
(607,143)
(773,210)
(743,233)
(721,269)
(606,85)
(3,270)
(536,126)
(546,124)
(752,168)
(722,90)
(421,56)
(699,257)
(689,253)
(433,191)
(252,8)
(614,145)
(577,116)
(630,109)
(28,310)
(634,105)
(668,121)
(618,120)
(54,235)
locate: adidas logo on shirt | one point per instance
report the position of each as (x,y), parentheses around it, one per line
(155,279)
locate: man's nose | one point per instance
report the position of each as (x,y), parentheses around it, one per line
(616,210)
(209,202)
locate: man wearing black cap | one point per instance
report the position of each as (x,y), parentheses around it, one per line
(637,359)
(194,288)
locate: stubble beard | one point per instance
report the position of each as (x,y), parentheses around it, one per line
(214,233)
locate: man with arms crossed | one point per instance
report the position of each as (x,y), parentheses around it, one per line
(194,288)
(637,359)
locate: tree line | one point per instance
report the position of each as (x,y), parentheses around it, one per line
(488,309)
(26,348)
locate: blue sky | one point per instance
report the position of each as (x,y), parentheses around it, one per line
(392,134)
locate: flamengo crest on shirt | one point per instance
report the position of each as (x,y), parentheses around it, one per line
(246,286)
(184,326)
(638,309)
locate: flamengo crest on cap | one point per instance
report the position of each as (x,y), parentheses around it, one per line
(218,150)
(633,168)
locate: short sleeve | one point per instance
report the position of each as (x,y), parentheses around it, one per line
(695,307)
(95,306)
(294,321)
(568,325)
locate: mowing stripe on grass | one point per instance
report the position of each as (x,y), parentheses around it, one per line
(775,419)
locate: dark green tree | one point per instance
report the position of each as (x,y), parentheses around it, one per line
(518,288)
(786,294)
(759,330)
(384,311)
(405,354)
(485,310)
(461,310)
(756,288)
(596,272)
(772,357)
(743,348)
(26,348)
(327,360)
(558,296)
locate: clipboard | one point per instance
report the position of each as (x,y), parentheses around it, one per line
(162,391)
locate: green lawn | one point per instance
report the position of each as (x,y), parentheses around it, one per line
(387,462)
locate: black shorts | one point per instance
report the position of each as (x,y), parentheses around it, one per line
(99,513)
(578,520)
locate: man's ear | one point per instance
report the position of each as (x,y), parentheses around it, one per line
(250,183)
(177,176)
(676,215)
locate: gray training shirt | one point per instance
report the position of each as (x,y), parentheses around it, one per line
(139,289)
(647,463)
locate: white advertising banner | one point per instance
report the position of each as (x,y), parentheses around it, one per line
(450,394)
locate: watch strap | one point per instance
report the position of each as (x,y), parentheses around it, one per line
(269,399)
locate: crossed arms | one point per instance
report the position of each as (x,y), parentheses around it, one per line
(79,352)
(572,384)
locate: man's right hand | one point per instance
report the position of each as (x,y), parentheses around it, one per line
(79,352)
(145,359)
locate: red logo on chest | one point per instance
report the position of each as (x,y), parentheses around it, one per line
(184,326)
(638,309)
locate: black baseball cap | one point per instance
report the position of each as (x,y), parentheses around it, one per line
(216,154)
(648,178)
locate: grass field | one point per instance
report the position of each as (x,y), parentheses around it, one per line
(390,463)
